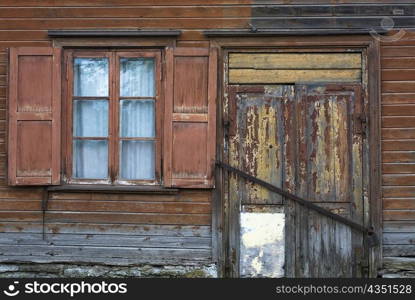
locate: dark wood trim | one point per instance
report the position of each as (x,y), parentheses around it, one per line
(111,189)
(375,151)
(112,33)
(287,32)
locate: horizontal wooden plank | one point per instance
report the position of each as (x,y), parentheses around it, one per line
(397,51)
(398,133)
(398,74)
(107,240)
(392,98)
(201,23)
(203,196)
(398,145)
(202,11)
(21,193)
(338,22)
(187,9)
(129,206)
(343,8)
(397,62)
(399,238)
(398,250)
(399,203)
(399,263)
(102,254)
(399,215)
(398,157)
(109,206)
(300,61)
(396,226)
(118,229)
(26,216)
(398,191)
(292,76)
(89,23)
(20,205)
(398,122)
(400,168)
(398,110)
(401,179)
(81,3)
(398,86)
(2,106)
(108,218)
(128,218)
(109,3)
(408,39)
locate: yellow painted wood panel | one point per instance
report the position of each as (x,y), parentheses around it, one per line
(295,61)
(293,76)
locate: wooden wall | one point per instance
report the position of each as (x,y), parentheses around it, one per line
(128,228)
(105,228)
(398,146)
(96,227)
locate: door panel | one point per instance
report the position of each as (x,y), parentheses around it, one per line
(307,140)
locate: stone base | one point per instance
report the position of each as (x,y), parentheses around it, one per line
(74,270)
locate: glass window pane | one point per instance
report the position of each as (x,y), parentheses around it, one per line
(137,77)
(137,160)
(90,77)
(90,118)
(90,159)
(137,118)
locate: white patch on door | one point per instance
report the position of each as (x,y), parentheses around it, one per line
(262,250)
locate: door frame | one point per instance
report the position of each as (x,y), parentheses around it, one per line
(372,154)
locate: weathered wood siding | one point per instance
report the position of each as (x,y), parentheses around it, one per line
(88,226)
(97,227)
(398,146)
(105,228)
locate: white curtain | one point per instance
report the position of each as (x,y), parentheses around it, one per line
(91,77)
(90,159)
(137,160)
(137,118)
(90,118)
(137,77)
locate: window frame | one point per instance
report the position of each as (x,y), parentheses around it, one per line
(114,98)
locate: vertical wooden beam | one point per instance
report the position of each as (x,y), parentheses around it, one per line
(375,193)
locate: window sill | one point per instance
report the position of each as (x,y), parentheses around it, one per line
(112,189)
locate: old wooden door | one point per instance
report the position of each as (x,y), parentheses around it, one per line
(307,139)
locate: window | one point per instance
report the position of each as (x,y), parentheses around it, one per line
(113,117)
(95,116)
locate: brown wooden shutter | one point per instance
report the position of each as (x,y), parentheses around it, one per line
(34,116)
(190,116)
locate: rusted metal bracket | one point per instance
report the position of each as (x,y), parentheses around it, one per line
(369,233)
(45,200)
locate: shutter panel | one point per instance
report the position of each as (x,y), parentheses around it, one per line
(34,116)
(190,116)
